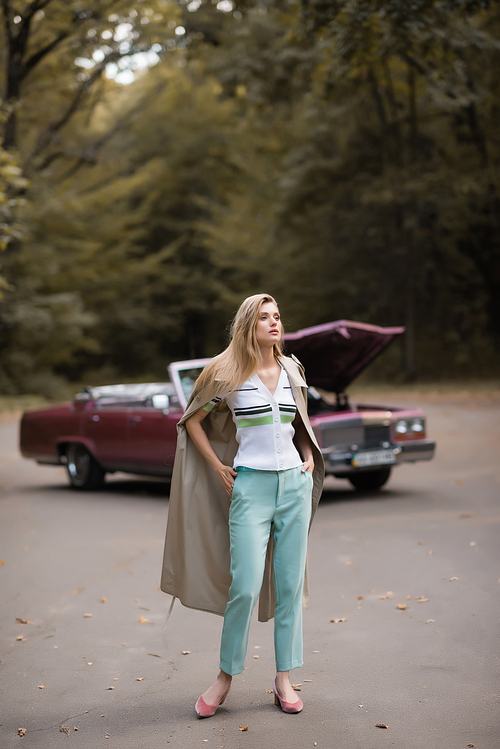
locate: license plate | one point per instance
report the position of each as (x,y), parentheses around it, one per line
(373,458)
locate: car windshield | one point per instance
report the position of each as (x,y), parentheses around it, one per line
(187,378)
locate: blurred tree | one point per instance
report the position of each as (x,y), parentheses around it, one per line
(341,155)
(382,198)
(424,65)
(12,187)
(54,57)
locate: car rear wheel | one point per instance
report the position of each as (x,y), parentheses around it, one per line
(370,480)
(83,471)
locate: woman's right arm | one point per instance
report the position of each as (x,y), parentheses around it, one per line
(225,473)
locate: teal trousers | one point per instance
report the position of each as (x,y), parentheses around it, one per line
(264,502)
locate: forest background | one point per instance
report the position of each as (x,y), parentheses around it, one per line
(162,159)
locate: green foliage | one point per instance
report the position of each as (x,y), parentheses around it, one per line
(341,155)
(13,186)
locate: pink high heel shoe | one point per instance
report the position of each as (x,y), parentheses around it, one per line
(206,711)
(287,707)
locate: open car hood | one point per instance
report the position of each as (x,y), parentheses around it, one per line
(334,353)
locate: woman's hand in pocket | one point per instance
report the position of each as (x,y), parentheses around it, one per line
(308,465)
(227,476)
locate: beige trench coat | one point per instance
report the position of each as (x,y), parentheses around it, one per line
(196,559)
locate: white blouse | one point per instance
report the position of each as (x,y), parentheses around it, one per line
(264,430)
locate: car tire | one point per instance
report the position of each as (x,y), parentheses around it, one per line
(84,472)
(370,480)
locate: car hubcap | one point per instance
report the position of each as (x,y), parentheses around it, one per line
(78,464)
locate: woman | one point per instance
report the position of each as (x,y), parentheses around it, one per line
(249,441)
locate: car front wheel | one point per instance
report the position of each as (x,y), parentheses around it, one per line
(370,480)
(83,471)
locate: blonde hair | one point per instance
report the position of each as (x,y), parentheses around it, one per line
(241,358)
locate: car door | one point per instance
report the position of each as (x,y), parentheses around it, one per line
(105,424)
(152,434)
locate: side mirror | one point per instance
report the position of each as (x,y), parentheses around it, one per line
(160,400)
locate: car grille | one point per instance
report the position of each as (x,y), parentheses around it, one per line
(376,435)
(341,438)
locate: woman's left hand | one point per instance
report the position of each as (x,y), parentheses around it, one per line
(308,465)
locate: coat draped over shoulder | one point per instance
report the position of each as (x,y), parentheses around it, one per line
(196,560)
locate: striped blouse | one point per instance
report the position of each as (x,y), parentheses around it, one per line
(264,430)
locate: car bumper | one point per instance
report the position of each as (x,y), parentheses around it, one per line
(341,463)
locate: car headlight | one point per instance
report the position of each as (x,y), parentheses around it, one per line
(410,428)
(401,427)
(418,426)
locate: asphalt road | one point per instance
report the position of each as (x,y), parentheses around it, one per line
(83,570)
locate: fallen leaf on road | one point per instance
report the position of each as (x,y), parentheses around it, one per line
(360,705)
(429,621)
(90,663)
(75,728)
(104,599)
(2,564)
(401,606)
(21,731)
(381,725)
(110,688)
(21,638)
(470,744)
(408,598)
(124,643)
(421,543)
(349,564)
(256,647)
(361,598)
(143,620)
(23,621)
(186,652)
(423,600)
(243,728)
(155,655)
(64,729)
(315,651)
(256,656)
(139,678)
(383,598)
(87,616)
(269,691)
(337,621)
(42,686)
(430,552)
(304,680)
(296,686)
(453,578)
(472,543)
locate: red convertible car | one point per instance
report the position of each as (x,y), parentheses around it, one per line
(132,428)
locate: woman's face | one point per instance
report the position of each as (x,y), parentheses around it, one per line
(268,330)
